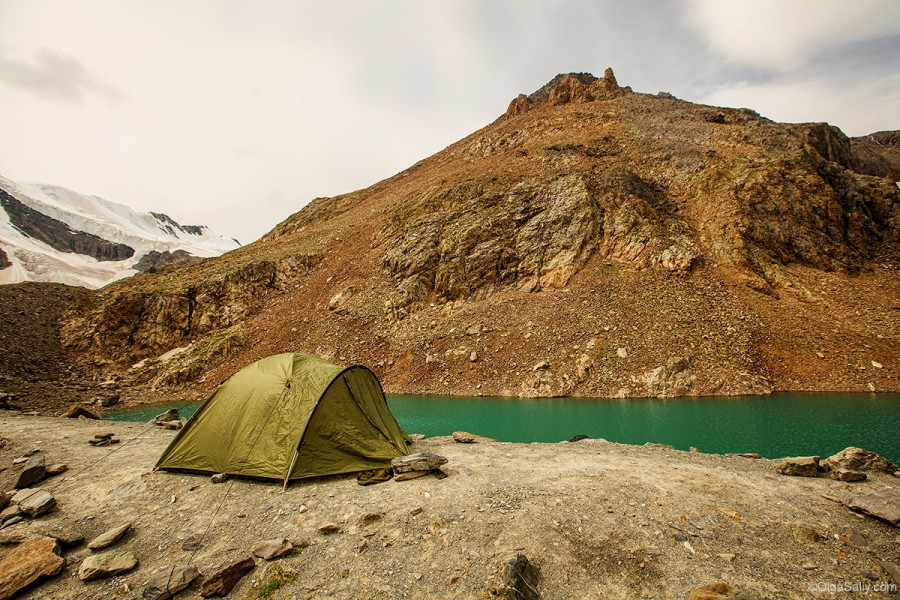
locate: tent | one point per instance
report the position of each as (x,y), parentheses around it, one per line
(287,417)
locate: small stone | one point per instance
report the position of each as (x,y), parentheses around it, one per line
(801,466)
(167,582)
(76,411)
(541,366)
(719,590)
(57,469)
(107,564)
(420,461)
(219,478)
(34,471)
(223,581)
(35,502)
(415,437)
(416,511)
(28,563)
(174,425)
(892,570)
(367,519)
(110,537)
(272,549)
(452,579)
(473,357)
(622,353)
(852,537)
(802,533)
(192,542)
(521,578)
(877,364)
(462,437)
(695,450)
(726,557)
(809,566)
(847,475)
(329,528)
(883,505)
(411,475)
(749,455)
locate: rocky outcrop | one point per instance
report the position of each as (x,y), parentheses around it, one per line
(153,260)
(4,260)
(58,235)
(669,380)
(877,154)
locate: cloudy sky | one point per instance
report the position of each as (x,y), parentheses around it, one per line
(236,113)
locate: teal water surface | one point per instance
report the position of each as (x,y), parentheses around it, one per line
(784,424)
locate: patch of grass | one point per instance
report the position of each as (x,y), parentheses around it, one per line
(276,577)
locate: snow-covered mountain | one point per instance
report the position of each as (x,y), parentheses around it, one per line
(50,233)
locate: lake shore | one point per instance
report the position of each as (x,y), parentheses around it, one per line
(598,520)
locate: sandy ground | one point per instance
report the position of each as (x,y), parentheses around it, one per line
(600,520)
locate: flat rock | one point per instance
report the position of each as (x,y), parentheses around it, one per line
(167,582)
(800,466)
(420,461)
(848,475)
(411,475)
(883,505)
(367,519)
(857,459)
(107,564)
(192,542)
(223,581)
(892,570)
(852,537)
(463,437)
(719,590)
(57,469)
(109,537)
(35,502)
(272,549)
(170,415)
(329,528)
(29,563)
(34,471)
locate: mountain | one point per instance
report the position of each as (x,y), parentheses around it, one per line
(591,241)
(49,233)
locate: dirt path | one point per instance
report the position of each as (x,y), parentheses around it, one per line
(599,520)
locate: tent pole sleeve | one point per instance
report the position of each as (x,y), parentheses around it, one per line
(287,476)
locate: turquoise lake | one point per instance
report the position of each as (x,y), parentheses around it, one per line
(784,424)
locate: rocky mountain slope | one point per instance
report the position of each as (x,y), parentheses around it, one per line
(591,241)
(49,233)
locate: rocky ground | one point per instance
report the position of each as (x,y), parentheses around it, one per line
(594,519)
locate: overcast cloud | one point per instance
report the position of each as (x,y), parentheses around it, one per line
(236,113)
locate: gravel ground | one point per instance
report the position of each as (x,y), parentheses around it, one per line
(597,519)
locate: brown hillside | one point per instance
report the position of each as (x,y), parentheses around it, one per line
(592,241)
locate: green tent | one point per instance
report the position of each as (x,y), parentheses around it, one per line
(290,416)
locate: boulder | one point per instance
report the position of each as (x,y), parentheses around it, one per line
(35,502)
(29,563)
(107,564)
(272,549)
(76,411)
(170,415)
(110,537)
(802,533)
(420,461)
(847,475)
(883,505)
(463,437)
(857,459)
(800,466)
(167,582)
(34,471)
(719,590)
(107,400)
(223,581)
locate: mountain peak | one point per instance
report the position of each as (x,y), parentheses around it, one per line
(569,87)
